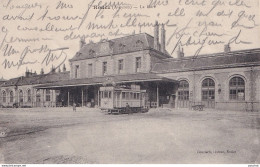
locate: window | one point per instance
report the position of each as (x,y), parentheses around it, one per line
(21,96)
(104,68)
(123,95)
(183,91)
(137,64)
(120,65)
(48,95)
(127,96)
(4,96)
(208,89)
(29,95)
(90,70)
(11,96)
(237,88)
(76,71)
(106,94)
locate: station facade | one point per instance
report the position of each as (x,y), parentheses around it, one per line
(229,80)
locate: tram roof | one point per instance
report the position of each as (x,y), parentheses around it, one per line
(129,78)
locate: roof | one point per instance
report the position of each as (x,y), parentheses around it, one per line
(131,43)
(37,79)
(139,77)
(210,61)
(2,79)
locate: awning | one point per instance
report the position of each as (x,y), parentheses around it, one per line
(128,78)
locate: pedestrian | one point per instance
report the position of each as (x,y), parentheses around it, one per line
(74,107)
(128,109)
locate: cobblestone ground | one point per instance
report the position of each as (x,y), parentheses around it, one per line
(59,135)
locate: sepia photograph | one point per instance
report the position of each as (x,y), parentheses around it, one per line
(129,82)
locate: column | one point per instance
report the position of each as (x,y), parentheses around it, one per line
(157,95)
(120,98)
(68,98)
(82,96)
(98,98)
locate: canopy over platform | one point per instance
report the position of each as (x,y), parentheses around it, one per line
(129,78)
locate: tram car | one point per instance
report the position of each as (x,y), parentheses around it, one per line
(122,100)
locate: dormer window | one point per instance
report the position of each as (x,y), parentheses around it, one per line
(121,46)
(78,54)
(139,44)
(91,52)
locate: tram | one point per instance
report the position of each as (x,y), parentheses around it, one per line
(122,100)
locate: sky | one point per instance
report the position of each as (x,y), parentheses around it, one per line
(29,30)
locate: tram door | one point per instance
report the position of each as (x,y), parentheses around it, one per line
(117,99)
(106,99)
(183,94)
(208,93)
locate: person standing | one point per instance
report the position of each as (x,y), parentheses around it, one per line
(128,109)
(74,107)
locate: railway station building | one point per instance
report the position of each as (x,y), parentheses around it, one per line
(228,80)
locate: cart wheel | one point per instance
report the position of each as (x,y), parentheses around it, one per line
(3,134)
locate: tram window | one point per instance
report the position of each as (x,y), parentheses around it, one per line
(131,95)
(105,94)
(127,95)
(109,94)
(137,95)
(123,95)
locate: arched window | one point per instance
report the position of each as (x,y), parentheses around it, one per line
(20,96)
(29,95)
(48,95)
(183,90)
(237,88)
(4,96)
(183,94)
(208,92)
(11,96)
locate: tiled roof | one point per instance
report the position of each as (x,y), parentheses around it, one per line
(218,60)
(139,77)
(116,46)
(37,79)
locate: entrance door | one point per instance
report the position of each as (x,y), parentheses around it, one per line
(208,93)
(183,94)
(38,98)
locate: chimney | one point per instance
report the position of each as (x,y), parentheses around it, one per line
(180,53)
(42,72)
(162,39)
(156,35)
(82,42)
(53,69)
(64,68)
(227,48)
(27,73)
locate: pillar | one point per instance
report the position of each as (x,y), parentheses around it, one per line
(82,97)
(68,98)
(98,98)
(157,95)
